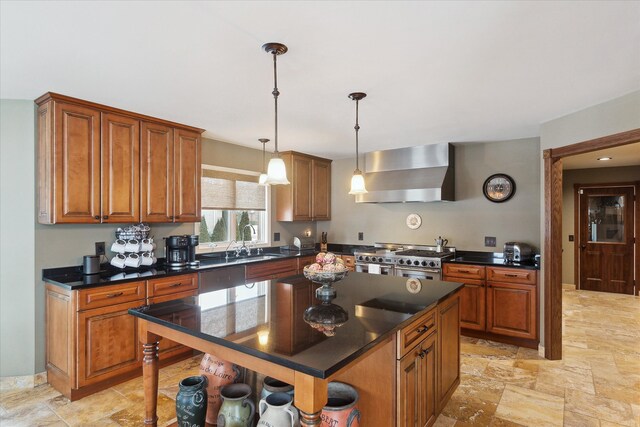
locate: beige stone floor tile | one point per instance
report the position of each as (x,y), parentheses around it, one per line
(469,409)
(500,422)
(636,413)
(604,423)
(133,415)
(510,375)
(615,391)
(555,380)
(85,410)
(486,352)
(38,414)
(571,419)
(16,399)
(627,364)
(599,407)
(482,388)
(530,407)
(468,340)
(473,366)
(444,421)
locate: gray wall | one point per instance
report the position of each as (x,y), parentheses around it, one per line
(464,222)
(608,118)
(17,214)
(584,176)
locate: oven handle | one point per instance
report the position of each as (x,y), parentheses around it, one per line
(418,269)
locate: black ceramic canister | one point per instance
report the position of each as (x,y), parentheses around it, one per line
(191,401)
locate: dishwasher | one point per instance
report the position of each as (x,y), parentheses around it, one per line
(215,279)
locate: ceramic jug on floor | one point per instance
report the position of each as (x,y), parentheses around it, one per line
(237,409)
(276,410)
(191,401)
(219,373)
(341,409)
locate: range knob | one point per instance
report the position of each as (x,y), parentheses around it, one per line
(432,263)
(424,263)
(416,262)
(379,259)
(400,261)
(367,258)
(360,257)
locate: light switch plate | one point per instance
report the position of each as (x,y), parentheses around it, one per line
(360,235)
(276,237)
(489,241)
(100,248)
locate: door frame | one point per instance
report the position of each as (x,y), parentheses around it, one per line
(552,159)
(576,220)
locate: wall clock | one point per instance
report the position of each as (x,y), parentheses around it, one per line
(499,188)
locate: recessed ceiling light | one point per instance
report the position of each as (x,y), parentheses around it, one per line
(605,158)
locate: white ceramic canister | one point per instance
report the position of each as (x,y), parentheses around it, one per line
(276,410)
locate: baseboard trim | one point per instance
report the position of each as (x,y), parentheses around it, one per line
(540,350)
(23,381)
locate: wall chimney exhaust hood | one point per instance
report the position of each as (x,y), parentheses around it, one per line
(414,174)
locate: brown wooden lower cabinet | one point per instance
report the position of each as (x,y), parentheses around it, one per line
(497,303)
(448,349)
(417,384)
(91,339)
(271,270)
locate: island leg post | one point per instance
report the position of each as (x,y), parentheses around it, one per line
(149,374)
(310,398)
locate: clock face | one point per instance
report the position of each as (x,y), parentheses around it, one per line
(499,188)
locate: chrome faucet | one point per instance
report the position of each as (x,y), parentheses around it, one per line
(226,251)
(244,247)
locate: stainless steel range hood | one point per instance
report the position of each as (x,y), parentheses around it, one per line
(413,174)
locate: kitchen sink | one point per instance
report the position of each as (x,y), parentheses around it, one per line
(213,260)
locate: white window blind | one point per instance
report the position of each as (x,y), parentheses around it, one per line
(231,191)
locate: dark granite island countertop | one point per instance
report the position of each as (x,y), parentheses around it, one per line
(260,326)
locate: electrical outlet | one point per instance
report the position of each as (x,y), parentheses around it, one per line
(571,237)
(276,237)
(100,248)
(490,241)
(360,235)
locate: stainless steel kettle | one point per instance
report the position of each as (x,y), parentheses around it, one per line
(441,243)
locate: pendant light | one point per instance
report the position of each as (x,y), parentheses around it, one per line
(357,180)
(263,176)
(276,172)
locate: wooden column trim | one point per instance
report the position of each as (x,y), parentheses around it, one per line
(553,256)
(310,397)
(150,350)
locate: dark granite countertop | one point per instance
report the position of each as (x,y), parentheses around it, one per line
(73,278)
(264,320)
(489,258)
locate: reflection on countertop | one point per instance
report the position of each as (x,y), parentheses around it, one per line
(489,258)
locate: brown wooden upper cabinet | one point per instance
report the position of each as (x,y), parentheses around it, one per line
(100,164)
(308,198)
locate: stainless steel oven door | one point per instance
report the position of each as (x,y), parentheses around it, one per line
(385,269)
(419,273)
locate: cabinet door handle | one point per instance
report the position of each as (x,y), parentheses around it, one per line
(175,285)
(117,294)
(105,217)
(97,217)
(423,329)
(489,286)
(464,271)
(424,352)
(510,275)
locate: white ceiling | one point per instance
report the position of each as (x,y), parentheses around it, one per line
(433,71)
(625,155)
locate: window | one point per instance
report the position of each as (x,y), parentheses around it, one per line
(234,207)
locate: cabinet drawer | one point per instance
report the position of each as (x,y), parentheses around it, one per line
(305,260)
(110,295)
(411,335)
(464,271)
(272,268)
(172,285)
(512,275)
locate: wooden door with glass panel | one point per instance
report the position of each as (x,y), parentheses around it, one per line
(605,238)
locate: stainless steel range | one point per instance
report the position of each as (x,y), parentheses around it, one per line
(415,261)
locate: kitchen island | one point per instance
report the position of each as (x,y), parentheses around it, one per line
(400,347)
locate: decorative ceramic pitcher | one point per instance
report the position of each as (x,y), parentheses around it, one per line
(341,409)
(276,410)
(237,408)
(191,401)
(219,373)
(271,385)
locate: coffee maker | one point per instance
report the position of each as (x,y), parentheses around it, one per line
(193,240)
(177,251)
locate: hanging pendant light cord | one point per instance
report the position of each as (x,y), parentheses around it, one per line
(275,99)
(357,128)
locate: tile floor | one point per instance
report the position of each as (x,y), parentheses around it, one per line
(596,384)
